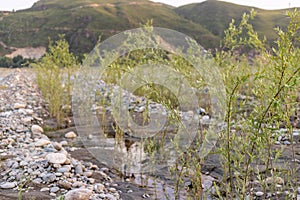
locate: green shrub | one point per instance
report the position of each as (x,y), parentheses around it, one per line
(269,84)
(54,78)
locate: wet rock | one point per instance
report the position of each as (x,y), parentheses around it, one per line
(78,194)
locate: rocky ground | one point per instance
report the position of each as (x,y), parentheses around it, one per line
(34,167)
(39,165)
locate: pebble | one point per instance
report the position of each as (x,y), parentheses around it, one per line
(78,169)
(54,189)
(88,174)
(52,194)
(110,197)
(70,135)
(64,184)
(45,189)
(57,146)
(41,142)
(77,184)
(19,105)
(64,143)
(8,185)
(78,194)
(56,158)
(49,178)
(145,196)
(99,187)
(112,190)
(259,194)
(36,129)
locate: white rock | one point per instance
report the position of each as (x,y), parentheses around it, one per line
(64,143)
(27,119)
(29,111)
(45,189)
(57,145)
(41,143)
(259,194)
(99,187)
(54,189)
(70,135)
(8,185)
(19,105)
(78,194)
(56,158)
(36,129)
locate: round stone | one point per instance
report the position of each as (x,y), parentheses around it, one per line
(70,135)
(36,129)
(64,184)
(45,189)
(57,145)
(259,194)
(19,105)
(64,143)
(78,169)
(88,174)
(54,189)
(78,194)
(56,158)
(41,143)
(49,178)
(8,185)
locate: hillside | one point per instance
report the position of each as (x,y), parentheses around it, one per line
(216,15)
(84,21)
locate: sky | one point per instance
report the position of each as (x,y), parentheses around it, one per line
(265,4)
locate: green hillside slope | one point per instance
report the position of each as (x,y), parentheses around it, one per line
(216,15)
(83,21)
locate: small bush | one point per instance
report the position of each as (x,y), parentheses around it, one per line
(54,77)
